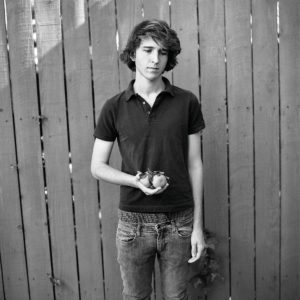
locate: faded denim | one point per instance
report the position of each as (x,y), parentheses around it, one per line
(140,243)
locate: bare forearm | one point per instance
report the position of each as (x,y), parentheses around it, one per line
(196,176)
(109,174)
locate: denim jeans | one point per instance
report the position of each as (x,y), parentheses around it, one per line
(143,238)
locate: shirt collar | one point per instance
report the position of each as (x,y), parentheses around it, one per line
(129,92)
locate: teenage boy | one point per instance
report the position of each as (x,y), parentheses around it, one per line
(157,126)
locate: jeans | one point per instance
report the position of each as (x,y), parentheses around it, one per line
(142,238)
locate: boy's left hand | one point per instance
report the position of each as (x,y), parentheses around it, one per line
(198,245)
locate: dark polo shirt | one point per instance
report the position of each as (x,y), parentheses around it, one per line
(153,138)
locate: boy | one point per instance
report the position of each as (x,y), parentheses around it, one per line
(157,126)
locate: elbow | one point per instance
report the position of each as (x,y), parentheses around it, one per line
(96,171)
(93,171)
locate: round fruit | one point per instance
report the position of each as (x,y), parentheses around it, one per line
(159,180)
(144,179)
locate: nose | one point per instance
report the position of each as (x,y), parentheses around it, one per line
(155,57)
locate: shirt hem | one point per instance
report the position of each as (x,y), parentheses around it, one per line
(155,209)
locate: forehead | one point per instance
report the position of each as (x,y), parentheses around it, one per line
(149,42)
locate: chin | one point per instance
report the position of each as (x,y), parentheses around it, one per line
(154,76)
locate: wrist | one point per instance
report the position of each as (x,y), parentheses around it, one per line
(198,228)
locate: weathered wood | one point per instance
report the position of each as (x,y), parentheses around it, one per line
(28,141)
(290,147)
(129,13)
(159,9)
(186,73)
(240,126)
(55,140)
(257,146)
(11,230)
(2,295)
(106,84)
(266,125)
(215,153)
(81,124)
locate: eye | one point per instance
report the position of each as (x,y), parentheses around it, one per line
(163,52)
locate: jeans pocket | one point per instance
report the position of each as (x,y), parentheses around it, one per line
(185,231)
(126,233)
(185,226)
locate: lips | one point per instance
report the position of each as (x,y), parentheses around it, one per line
(153,69)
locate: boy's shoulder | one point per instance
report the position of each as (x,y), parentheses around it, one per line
(115,100)
(183,93)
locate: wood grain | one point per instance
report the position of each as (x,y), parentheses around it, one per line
(266,122)
(290,147)
(56,149)
(81,124)
(240,126)
(12,246)
(215,152)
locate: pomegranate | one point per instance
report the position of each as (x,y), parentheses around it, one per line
(144,179)
(159,180)
(153,179)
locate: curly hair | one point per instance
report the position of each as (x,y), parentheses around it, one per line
(161,33)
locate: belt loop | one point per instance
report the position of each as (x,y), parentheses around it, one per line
(173,226)
(138,229)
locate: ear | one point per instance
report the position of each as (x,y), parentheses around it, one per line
(132,56)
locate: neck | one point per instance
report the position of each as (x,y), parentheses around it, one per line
(146,87)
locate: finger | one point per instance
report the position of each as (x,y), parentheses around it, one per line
(191,260)
(138,175)
(194,257)
(153,191)
(163,189)
(196,252)
(149,191)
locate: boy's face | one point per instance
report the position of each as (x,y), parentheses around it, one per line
(150,59)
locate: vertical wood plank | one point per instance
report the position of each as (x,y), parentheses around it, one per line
(215,153)
(2,295)
(25,102)
(55,138)
(290,147)
(159,9)
(240,111)
(266,120)
(11,231)
(129,13)
(81,124)
(106,84)
(186,73)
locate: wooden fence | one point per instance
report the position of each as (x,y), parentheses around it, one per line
(59,63)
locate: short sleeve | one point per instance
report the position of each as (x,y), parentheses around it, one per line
(196,121)
(106,124)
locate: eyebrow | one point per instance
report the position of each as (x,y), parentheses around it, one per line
(150,47)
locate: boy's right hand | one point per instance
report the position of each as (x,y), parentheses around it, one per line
(146,190)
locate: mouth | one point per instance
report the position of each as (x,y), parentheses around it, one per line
(153,69)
